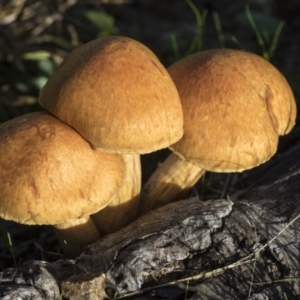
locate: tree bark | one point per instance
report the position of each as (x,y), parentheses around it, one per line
(188,239)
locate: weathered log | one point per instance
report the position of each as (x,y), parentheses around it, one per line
(188,239)
(153,242)
(265,219)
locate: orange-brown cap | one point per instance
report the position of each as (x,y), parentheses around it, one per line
(235,105)
(50,174)
(116,94)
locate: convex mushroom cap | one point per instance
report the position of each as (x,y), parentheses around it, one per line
(235,106)
(50,174)
(117,95)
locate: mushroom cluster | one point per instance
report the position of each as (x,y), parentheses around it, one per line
(112,95)
(77,165)
(115,92)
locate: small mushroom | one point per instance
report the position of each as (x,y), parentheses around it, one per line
(50,175)
(235,105)
(115,92)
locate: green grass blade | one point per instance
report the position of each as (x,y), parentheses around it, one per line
(219,29)
(197,42)
(257,33)
(237,42)
(175,46)
(275,39)
(12,249)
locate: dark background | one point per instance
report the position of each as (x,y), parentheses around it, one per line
(35,36)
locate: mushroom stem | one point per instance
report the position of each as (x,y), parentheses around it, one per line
(76,234)
(122,209)
(168,183)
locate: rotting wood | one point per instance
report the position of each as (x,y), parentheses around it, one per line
(128,257)
(184,239)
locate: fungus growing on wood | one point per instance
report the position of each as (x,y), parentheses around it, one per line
(235,105)
(115,92)
(50,175)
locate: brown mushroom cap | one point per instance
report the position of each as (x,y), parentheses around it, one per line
(50,174)
(122,98)
(235,105)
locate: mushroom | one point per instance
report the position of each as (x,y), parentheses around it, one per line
(235,104)
(50,175)
(115,92)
